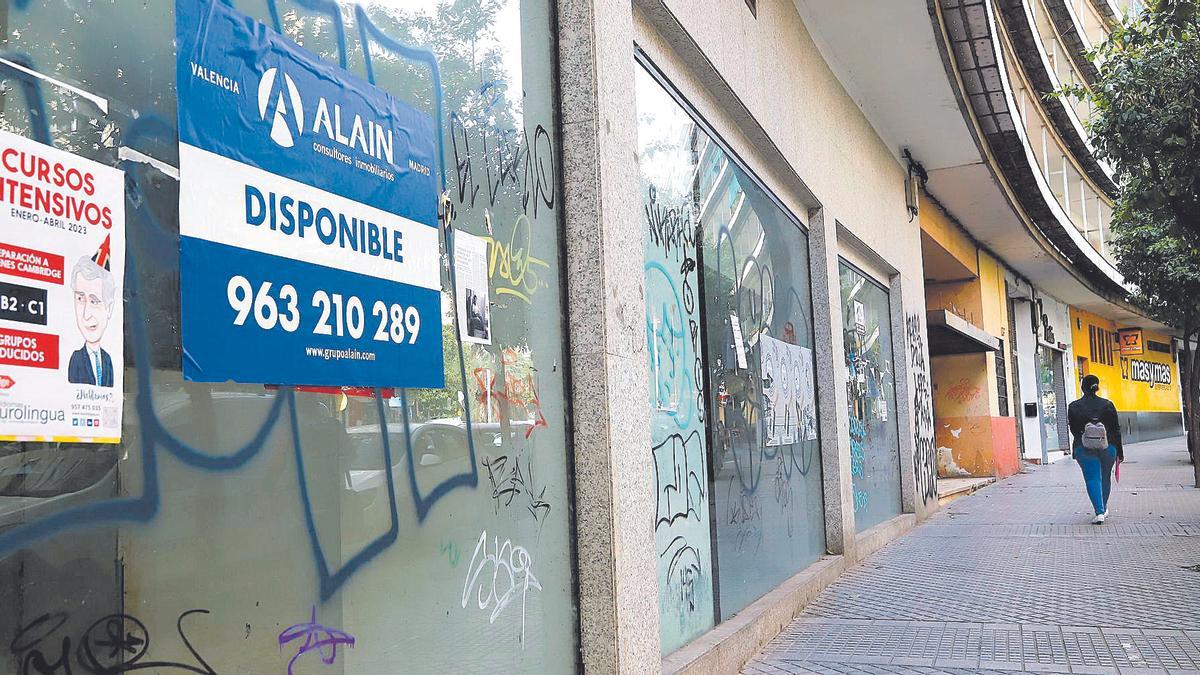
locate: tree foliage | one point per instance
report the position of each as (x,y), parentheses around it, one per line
(481,121)
(1146,124)
(1163,265)
(1147,121)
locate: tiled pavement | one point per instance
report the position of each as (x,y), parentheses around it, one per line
(1015,579)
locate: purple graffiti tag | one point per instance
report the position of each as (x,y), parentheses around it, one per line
(316,637)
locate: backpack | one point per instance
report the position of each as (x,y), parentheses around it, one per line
(1095,435)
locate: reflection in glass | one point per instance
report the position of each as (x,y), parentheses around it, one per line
(766,475)
(1048,361)
(668,143)
(729,338)
(871,393)
(436,544)
(766,461)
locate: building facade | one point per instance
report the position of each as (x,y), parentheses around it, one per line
(967,314)
(1005,59)
(714,294)
(1140,368)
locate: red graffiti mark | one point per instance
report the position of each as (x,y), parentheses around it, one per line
(519,392)
(963,391)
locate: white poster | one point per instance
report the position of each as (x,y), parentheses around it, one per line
(62,264)
(787,375)
(806,398)
(739,345)
(860,318)
(471,278)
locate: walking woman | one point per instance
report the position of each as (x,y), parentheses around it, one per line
(1097,443)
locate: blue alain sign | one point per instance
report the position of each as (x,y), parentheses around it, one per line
(309,248)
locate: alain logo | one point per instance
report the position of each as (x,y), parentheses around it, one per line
(271,100)
(279,102)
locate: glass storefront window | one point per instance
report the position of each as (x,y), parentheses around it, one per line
(765,457)
(425,531)
(1048,363)
(669,142)
(871,389)
(729,336)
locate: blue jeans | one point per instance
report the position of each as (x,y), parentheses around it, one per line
(1097,468)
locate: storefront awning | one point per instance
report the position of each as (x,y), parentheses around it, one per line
(952,334)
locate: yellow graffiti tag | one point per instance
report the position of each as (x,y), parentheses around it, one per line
(511,264)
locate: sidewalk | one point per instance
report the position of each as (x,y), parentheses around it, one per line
(1014,579)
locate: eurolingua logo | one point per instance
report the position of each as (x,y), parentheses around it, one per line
(271,95)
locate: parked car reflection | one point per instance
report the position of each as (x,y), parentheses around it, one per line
(439,450)
(37,482)
(78,574)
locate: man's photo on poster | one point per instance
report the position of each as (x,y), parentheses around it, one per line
(95,294)
(477,315)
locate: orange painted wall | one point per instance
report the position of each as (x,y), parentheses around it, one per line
(1005,453)
(962,416)
(935,223)
(962,298)
(961,386)
(972,438)
(979,446)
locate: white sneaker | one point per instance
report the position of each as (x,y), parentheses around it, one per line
(1099,518)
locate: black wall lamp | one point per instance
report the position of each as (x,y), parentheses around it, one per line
(913,184)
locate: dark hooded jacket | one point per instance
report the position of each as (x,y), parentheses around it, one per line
(1092,407)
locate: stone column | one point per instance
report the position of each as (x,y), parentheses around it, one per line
(614,472)
(902,308)
(830,365)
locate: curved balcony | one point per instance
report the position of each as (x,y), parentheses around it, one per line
(1087,207)
(1107,10)
(1090,22)
(1080,28)
(983,59)
(1126,7)
(1113,10)
(1048,65)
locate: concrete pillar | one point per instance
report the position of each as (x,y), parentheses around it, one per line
(902,307)
(614,473)
(830,365)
